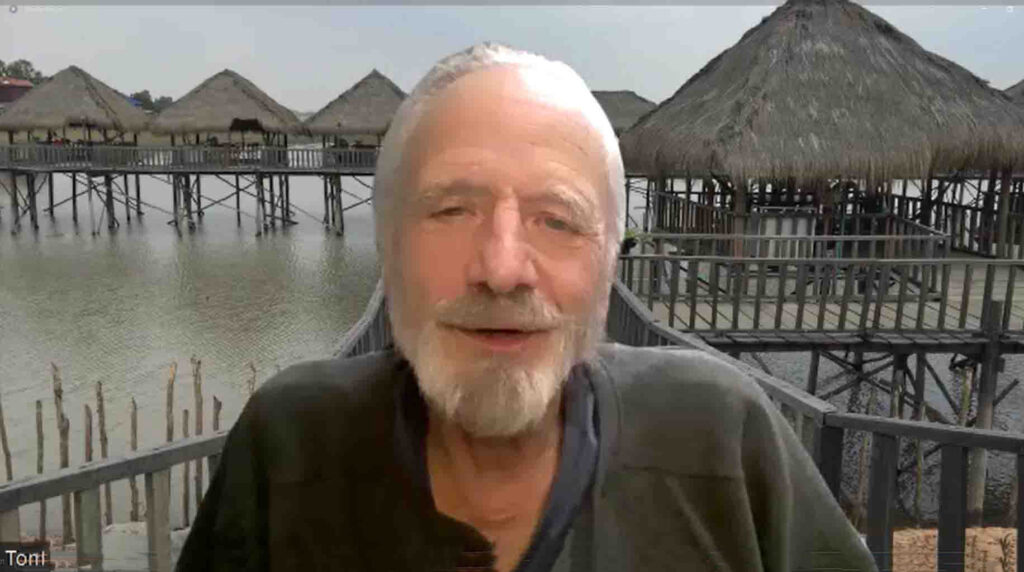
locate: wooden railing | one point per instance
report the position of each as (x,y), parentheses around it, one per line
(185,159)
(972,228)
(85,481)
(793,246)
(725,294)
(822,428)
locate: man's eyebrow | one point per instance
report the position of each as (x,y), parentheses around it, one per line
(581,208)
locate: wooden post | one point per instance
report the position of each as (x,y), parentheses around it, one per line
(39,465)
(884,458)
(74,197)
(1003,246)
(170,402)
(62,430)
(252,379)
(127,195)
(3,443)
(158,520)
(49,184)
(15,206)
(991,325)
(812,375)
(919,374)
(197,381)
(214,460)
(952,508)
(10,521)
(132,486)
(238,203)
(30,182)
(108,517)
(185,474)
(108,183)
(88,526)
(138,197)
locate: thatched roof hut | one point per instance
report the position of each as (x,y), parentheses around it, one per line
(1016,92)
(623,108)
(225,102)
(72,98)
(365,108)
(821,88)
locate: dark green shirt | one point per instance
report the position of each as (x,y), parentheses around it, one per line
(696,470)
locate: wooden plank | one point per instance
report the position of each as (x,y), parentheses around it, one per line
(88,528)
(969,437)
(158,520)
(714,294)
(829,457)
(762,270)
(692,272)
(952,509)
(901,297)
(783,268)
(882,485)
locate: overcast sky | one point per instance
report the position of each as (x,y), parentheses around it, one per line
(305,56)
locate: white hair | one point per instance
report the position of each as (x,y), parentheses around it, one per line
(448,71)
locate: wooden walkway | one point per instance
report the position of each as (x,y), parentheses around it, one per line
(762,304)
(112,159)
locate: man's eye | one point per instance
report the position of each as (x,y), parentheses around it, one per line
(450,211)
(558,224)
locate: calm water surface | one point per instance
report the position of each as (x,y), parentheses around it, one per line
(121,307)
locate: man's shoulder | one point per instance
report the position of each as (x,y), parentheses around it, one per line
(680,410)
(312,413)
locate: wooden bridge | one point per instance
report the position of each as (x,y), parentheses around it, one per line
(130,159)
(819,425)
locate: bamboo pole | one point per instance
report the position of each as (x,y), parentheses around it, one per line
(108,517)
(216,414)
(3,443)
(197,382)
(39,465)
(170,402)
(133,487)
(88,434)
(252,379)
(63,429)
(185,479)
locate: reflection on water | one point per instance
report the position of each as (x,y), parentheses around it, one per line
(120,307)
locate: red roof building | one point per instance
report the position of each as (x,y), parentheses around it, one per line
(12,88)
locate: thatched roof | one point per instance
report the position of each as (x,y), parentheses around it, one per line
(72,98)
(821,88)
(225,102)
(1016,92)
(623,108)
(365,108)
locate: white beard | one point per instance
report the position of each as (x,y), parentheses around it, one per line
(500,396)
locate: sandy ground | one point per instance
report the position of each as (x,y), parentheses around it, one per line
(914,550)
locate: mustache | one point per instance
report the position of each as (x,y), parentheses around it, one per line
(517,311)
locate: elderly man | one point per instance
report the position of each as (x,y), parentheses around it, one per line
(502,434)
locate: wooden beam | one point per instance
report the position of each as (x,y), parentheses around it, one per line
(158,520)
(882,487)
(952,509)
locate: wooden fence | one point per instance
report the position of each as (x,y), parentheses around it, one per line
(185,159)
(792,246)
(862,296)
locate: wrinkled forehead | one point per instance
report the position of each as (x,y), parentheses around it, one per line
(513,109)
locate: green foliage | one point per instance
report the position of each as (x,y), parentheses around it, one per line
(148,103)
(22,69)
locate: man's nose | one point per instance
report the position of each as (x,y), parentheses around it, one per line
(505,258)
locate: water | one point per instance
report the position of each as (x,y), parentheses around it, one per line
(119,308)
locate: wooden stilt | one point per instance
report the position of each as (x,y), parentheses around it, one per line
(992,324)
(62,429)
(30,180)
(138,196)
(238,203)
(273,205)
(49,184)
(133,488)
(127,195)
(185,505)
(74,197)
(108,182)
(199,196)
(170,401)
(15,206)
(4,445)
(39,465)
(197,384)
(327,206)
(108,514)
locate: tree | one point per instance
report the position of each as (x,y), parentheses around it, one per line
(144,99)
(22,69)
(162,102)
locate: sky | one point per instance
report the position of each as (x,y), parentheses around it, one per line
(304,56)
